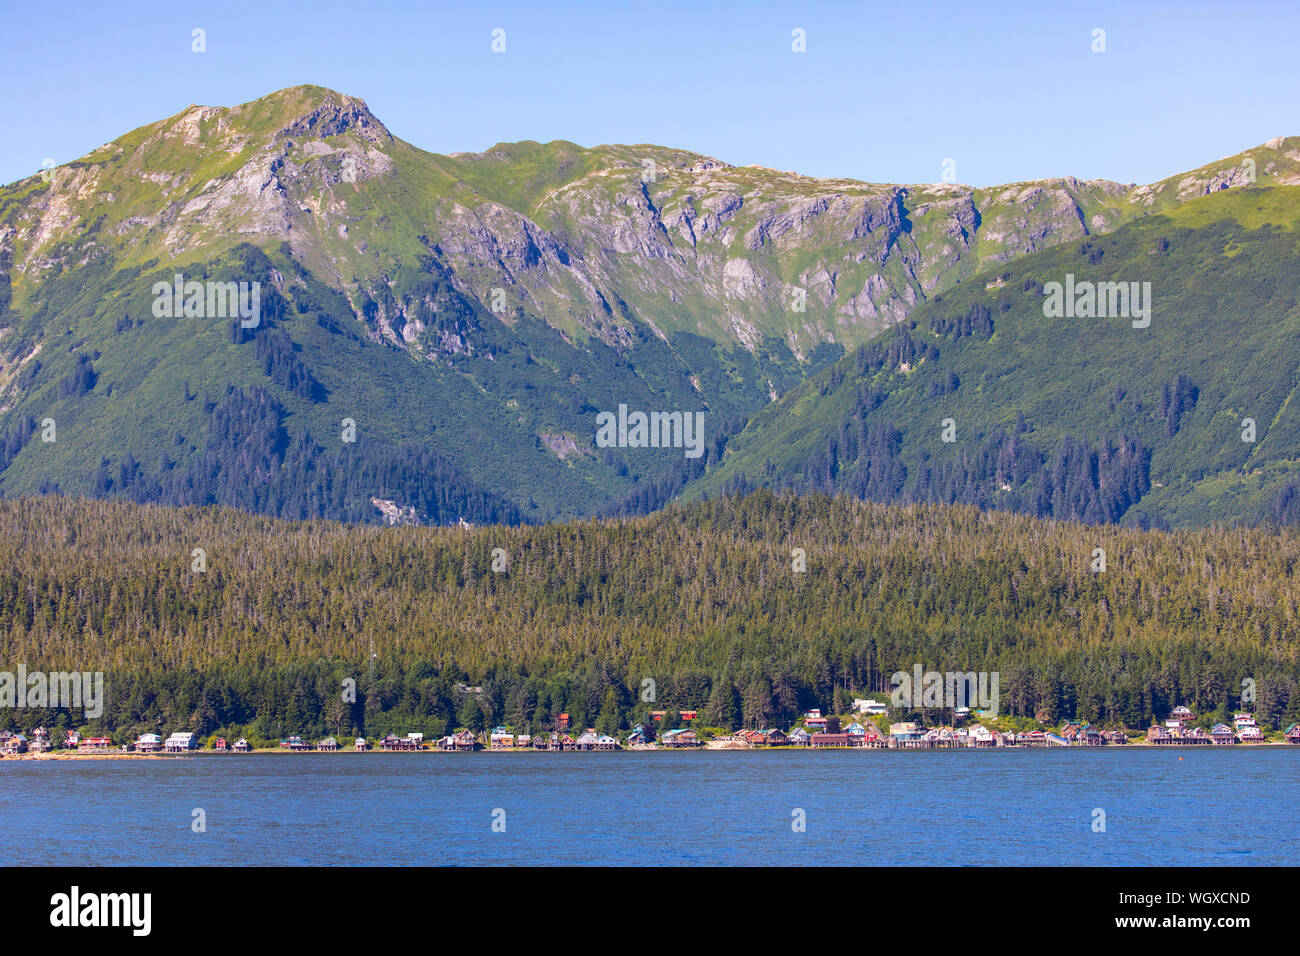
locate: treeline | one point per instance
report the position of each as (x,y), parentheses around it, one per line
(696,607)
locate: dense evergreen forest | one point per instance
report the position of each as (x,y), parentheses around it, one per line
(703,600)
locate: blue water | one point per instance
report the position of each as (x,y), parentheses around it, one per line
(875,808)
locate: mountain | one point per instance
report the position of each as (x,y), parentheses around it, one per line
(1181,416)
(470,314)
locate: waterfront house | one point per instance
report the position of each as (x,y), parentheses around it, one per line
(1293,734)
(980,736)
(905,730)
(14,744)
(396,743)
(586,740)
(752,738)
(72,741)
(830,740)
(462,740)
(1243,720)
(242,746)
(1222,735)
(360,744)
(149,743)
(221,745)
(798,737)
(680,738)
(606,742)
(775,738)
(329,745)
(523,740)
(501,739)
(638,735)
(180,741)
(295,743)
(94,745)
(1251,734)
(855,729)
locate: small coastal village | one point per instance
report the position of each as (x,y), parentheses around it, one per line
(868,727)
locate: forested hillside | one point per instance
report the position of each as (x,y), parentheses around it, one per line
(1182,418)
(703,600)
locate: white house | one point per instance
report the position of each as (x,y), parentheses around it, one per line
(869,707)
(180,742)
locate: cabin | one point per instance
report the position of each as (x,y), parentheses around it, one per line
(798,737)
(221,745)
(361,744)
(755,738)
(13,745)
(562,724)
(606,742)
(501,739)
(395,743)
(586,741)
(639,735)
(1243,720)
(1293,734)
(686,714)
(1222,735)
(980,736)
(905,730)
(815,723)
(1251,735)
(95,744)
(1091,737)
(72,741)
(1182,713)
(295,743)
(241,746)
(776,738)
(463,741)
(149,743)
(680,738)
(1159,735)
(40,742)
(523,740)
(328,745)
(871,708)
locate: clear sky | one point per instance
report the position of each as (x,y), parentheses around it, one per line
(885,92)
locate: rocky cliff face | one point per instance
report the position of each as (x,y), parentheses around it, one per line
(610,243)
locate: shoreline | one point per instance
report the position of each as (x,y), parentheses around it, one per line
(275,751)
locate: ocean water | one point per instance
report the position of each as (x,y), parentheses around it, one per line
(1173,806)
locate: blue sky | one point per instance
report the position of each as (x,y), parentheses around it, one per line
(885,91)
